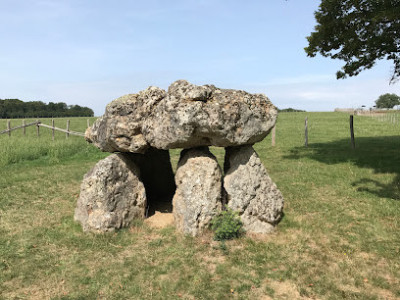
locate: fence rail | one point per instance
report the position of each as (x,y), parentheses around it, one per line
(40,124)
(62,130)
(18,127)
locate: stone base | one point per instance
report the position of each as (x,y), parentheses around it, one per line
(129,185)
(124,187)
(250,190)
(112,195)
(198,194)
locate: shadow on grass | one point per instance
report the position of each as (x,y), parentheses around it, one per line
(382,154)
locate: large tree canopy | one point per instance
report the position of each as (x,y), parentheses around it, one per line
(387,101)
(359,32)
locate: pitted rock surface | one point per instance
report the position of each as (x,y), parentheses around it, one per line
(112,195)
(120,128)
(187,116)
(140,179)
(250,190)
(198,191)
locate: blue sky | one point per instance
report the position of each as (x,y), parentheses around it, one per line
(91,52)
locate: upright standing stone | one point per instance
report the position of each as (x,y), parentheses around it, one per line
(250,190)
(198,190)
(112,195)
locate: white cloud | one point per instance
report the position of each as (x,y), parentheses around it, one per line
(306,78)
(322,93)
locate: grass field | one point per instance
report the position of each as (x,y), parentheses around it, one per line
(339,238)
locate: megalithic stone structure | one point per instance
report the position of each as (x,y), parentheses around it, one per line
(142,127)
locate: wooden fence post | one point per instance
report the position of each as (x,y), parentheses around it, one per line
(353,143)
(67,134)
(88,123)
(306,132)
(273,136)
(52,133)
(37,128)
(24,128)
(9,128)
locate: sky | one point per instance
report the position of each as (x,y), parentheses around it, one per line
(92,52)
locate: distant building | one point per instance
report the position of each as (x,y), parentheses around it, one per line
(347,110)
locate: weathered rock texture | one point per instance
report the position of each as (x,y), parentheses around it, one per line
(251,191)
(120,128)
(111,195)
(198,194)
(144,126)
(187,116)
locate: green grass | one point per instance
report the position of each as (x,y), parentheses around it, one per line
(339,238)
(30,147)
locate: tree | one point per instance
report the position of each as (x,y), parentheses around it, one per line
(359,32)
(387,101)
(290,110)
(14,108)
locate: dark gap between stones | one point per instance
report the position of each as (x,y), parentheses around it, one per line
(158,179)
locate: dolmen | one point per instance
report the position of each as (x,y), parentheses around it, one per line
(140,129)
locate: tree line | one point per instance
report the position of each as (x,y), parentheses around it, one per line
(290,110)
(15,108)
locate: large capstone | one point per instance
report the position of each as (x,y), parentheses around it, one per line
(187,116)
(120,128)
(111,196)
(250,190)
(198,194)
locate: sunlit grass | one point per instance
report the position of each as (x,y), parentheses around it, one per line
(339,238)
(21,147)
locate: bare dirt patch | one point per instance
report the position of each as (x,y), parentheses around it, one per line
(283,290)
(160,220)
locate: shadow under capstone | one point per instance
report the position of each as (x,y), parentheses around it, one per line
(158,179)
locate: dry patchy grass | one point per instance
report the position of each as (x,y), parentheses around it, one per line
(339,237)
